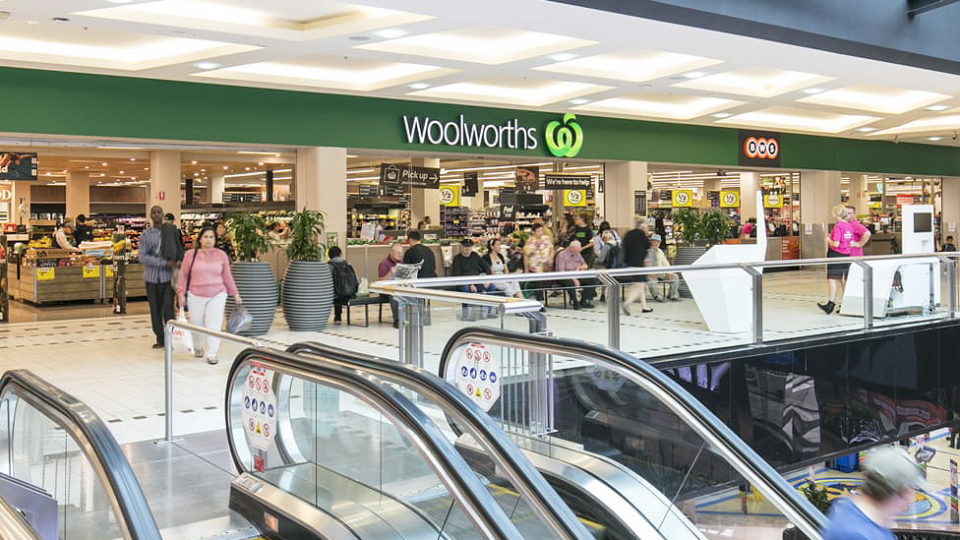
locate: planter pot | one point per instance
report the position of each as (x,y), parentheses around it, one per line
(258,288)
(687,255)
(307,295)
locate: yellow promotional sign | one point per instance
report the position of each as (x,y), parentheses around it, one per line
(574,197)
(875,205)
(729,199)
(682,198)
(46,274)
(450,195)
(773,200)
(109,271)
(91,270)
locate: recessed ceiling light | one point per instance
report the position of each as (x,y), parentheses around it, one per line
(562,57)
(133,159)
(248,168)
(579,101)
(260,163)
(390,33)
(193,162)
(866,129)
(694,75)
(86,166)
(146,168)
(196,174)
(104,164)
(934,139)
(224,167)
(937,108)
(419,86)
(721,115)
(813,90)
(33,22)
(101,175)
(121,172)
(206,65)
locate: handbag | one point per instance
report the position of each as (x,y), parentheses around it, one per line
(182,339)
(240,320)
(186,291)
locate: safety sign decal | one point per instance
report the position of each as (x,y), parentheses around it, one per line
(259,409)
(478,375)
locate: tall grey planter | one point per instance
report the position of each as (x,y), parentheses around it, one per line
(258,288)
(307,295)
(687,255)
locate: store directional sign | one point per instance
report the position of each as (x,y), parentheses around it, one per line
(567,181)
(368,190)
(421,177)
(471,184)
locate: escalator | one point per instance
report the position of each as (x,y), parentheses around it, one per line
(625,427)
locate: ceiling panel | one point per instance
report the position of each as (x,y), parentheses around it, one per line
(875,98)
(634,65)
(660,105)
(513,91)
(796,119)
(755,82)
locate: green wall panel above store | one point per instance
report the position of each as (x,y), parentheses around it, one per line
(61,103)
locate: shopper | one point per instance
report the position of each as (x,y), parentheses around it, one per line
(345,283)
(949,245)
(385,271)
(538,256)
(861,235)
(749,229)
(654,258)
(275,231)
(570,260)
(60,237)
(598,240)
(82,232)
(635,247)
(839,242)
(584,234)
(468,263)
(157,273)
(607,248)
(172,246)
(205,280)
(565,233)
(890,477)
(419,253)
(495,260)
(223,243)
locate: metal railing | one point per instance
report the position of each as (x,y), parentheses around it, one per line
(97,445)
(168,363)
(470,419)
(740,456)
(415,293)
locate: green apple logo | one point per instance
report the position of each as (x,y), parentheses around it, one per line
(564,140)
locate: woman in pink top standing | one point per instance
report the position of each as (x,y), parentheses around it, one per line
(861,235)
(205,281)
(839,242)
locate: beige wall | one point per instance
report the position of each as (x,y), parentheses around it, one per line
(622,180)
(321,184)
(165,182)
(78,194)
(819,193)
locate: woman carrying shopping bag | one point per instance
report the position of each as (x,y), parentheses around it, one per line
(205,281)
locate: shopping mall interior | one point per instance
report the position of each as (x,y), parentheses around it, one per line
(524,269)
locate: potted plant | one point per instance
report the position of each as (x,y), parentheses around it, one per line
(308,282)
(690,247)
(818,497)
(255,280)
(714,226)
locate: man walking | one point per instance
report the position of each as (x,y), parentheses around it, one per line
(156,274)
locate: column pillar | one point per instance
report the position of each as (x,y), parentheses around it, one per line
(749,185)
(819,193)
(425,202)
(165,182)
(623,179)
(321,184)
(78,194)
(21,192)
(950,199)
(217,183)
(859,198)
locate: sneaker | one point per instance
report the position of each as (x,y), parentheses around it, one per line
(827,308)
(577,307)
(649,310)
(212,360)
(674,298)
(337,320)
(624,310)
(660,299)
(586,305)
(198,352)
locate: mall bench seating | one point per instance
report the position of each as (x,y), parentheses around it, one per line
(366,302)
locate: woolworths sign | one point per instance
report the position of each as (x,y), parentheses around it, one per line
(562,138)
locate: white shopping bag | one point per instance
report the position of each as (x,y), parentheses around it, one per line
(182,340)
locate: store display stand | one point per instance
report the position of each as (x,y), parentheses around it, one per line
(120,276)
(723,295)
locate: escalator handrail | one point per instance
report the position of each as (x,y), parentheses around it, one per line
(524,476)
(460,480)
(97,444)
(13,526)
(741,457)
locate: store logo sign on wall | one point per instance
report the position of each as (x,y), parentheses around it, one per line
(564,139)
(773,200)
(682,198)
(426,130)
(759,148)
(729,199)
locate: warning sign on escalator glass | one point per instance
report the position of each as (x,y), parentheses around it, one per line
(478,375)
(259,409)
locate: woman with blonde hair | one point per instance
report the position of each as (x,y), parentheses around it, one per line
(839,243)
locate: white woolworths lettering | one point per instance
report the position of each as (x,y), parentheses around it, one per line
(510,134)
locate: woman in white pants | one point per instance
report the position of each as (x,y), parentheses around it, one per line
(205,280)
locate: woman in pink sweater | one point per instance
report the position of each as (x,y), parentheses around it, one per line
(205,281)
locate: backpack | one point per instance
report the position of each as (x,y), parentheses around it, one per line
(345,283)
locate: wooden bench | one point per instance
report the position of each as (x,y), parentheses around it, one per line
(366,302)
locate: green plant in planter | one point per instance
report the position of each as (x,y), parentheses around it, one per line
(689,221)
(817,495)
(306,230)
(714,226)
(249,234)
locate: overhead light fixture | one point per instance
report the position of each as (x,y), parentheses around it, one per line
(104,164)
(937,108)
(206,65)
(721,115)
(934,139)
(562,57)
(390,33)
(121,172)
(86,166)
(33,22)
(133,159)
(193,162)
(866,129)
(579,101)
(694,75)
(813,90)
(419,86)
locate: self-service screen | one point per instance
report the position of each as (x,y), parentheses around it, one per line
(923,222)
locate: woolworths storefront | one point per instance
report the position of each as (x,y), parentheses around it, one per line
(335,135)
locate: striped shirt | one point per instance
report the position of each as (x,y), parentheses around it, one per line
(155,268)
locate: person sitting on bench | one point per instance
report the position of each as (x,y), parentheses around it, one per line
(468,263)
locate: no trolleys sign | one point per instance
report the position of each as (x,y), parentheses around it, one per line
(478,375)
(259,409)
